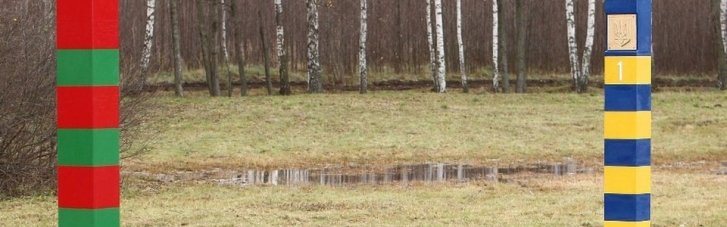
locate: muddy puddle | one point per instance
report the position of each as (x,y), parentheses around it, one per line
(369,175)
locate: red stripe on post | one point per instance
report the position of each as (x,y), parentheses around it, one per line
(88,187)
(87,24)
(88,107)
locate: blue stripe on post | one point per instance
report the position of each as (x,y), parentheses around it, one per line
(627,207)
(642,9)
(627,152)
(628,97)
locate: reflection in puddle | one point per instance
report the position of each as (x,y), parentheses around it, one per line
(359,175)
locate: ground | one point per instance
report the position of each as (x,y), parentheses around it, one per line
(198,133)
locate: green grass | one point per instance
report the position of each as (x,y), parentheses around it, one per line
(198,132)
(530,201)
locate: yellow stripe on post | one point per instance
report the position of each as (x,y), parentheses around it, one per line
(626,224)
(627,180)
(627,125)
(627,70)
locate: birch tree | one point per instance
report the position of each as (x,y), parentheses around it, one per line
(441,63)
(460,44)
(282,53)
(580,64)
(720,15)
(432,46)
(495,45)
(314,60)
(149,34)
(363,69)
(236,14)
(176,48)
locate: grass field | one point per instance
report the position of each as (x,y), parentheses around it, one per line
(414,126)
(198,133)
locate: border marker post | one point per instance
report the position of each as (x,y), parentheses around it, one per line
(627,117)
(87,92)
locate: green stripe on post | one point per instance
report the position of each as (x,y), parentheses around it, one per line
(87,67)
(88,147)
(88,218)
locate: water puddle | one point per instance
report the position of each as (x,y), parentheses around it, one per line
(370,175)
(723,169)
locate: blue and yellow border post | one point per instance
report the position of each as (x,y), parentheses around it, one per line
(627,118)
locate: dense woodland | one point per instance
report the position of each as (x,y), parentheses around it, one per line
(684,34)
(216,34)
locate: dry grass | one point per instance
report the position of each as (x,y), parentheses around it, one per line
(415,126)
(530,201)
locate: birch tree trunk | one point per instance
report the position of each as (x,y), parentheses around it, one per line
(222,9)
(502,37)
(149,34)
(460,43)
(236,14)
(719,15)
(441,63)
(588,47)
(266,55)
(176,48)
(314,60)
(282,53)
(363,69)
(522,41)
(432,46)
(572,43)
(495,46)
(223,26)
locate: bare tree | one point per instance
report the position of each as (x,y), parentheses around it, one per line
(223,45)
(580,71)
(460,44)
(149,34)
(363,69)
(266,55)
(208,24)
(432,45)
(503,47)
(282,53)
(720,17)
(441,63)
(495,45)
(522,42)
(314,59)
(176,48)
(239,47)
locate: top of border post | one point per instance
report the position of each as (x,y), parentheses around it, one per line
(643,11)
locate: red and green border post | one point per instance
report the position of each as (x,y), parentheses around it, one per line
(87,92)
(627,118)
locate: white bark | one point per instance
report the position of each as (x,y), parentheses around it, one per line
(441,63)
(588,48)
(314,64)
(460,43)
(723,23)
(223,25)
(363,70)
(495,46)
(572,45)
(279,31)
(149,35)
(430,39)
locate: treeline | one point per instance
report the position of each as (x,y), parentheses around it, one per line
(684,35)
